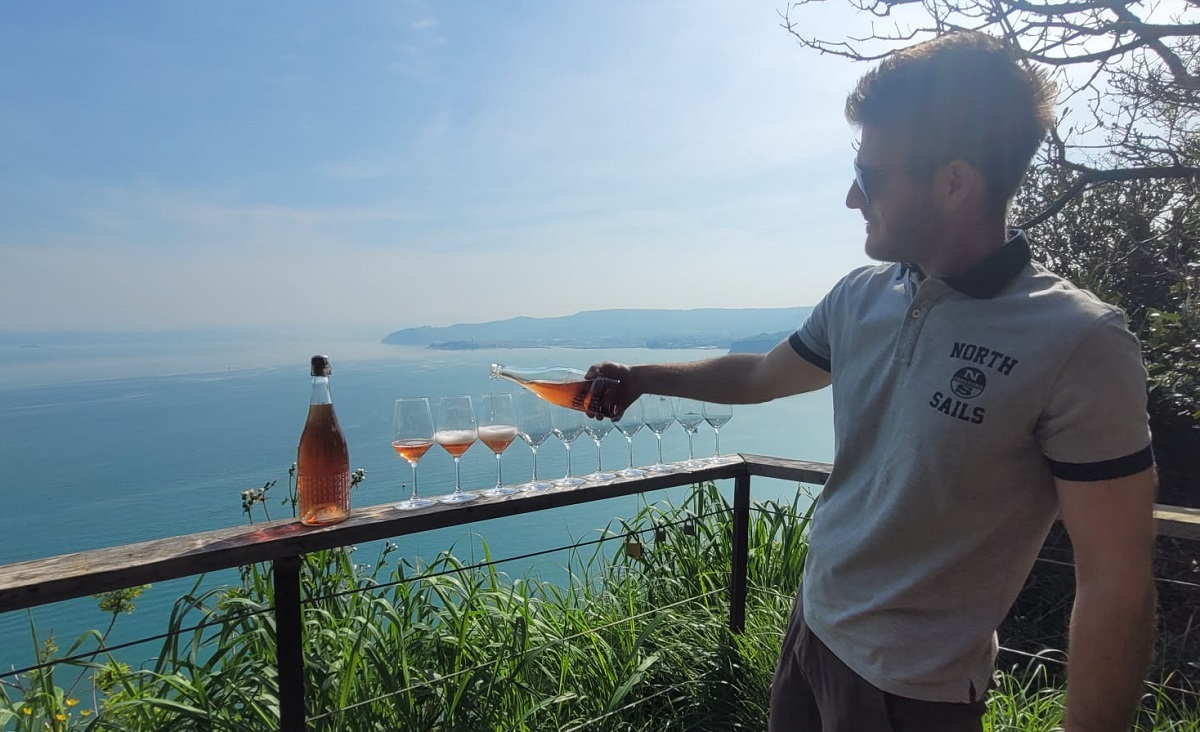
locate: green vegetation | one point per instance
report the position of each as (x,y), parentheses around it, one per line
(635,639)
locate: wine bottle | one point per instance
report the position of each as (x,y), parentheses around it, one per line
(323,459)
(557,385)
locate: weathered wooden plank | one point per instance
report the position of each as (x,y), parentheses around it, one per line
(65,577)
(788,469)
(1177,521)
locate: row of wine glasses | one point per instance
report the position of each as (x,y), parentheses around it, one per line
(657,413)
(500,423)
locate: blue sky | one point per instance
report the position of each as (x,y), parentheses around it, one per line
(375,165)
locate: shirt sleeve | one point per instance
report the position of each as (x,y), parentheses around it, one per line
(1095,425)
(811,341)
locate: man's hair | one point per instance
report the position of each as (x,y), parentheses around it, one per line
(960,96)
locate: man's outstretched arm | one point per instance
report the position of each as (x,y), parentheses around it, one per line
(740,378)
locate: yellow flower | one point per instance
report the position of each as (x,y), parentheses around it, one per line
(72,702)
(85,712)
(27,710)
(61,717)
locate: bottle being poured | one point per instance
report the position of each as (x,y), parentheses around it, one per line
(558,385)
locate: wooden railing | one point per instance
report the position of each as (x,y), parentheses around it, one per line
(283,542)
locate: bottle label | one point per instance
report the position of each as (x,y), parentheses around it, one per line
(323,498)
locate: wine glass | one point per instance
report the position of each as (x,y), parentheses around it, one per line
(497,430)
(533,421)
(412,436)
(660,414)
(690,414)
(598,429)
(567,425)
(717,415)
(629,425)
(456,432)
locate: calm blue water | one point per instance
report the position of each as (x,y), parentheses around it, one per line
(108,445)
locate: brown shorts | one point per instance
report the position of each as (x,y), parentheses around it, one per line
(813,691)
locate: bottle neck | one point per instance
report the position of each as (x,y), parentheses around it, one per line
(320,391)
(524,376)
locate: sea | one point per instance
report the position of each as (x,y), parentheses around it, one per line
(110,443)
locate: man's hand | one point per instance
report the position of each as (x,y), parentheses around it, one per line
(612,390)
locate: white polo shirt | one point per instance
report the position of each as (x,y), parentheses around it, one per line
(956,403)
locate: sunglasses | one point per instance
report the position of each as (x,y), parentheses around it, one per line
(861,175)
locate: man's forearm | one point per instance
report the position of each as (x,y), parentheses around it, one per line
(1112,636)
(722,379)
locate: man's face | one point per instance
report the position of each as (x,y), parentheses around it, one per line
(902,223)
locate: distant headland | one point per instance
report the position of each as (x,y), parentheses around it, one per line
(749,330)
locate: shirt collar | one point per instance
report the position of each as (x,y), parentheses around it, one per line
(989,276)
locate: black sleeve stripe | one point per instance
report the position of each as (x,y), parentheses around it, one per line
(1105,469)
(807,353)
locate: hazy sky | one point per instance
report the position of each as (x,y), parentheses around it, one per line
(376,165)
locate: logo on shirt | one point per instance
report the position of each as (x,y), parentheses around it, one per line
(968,382)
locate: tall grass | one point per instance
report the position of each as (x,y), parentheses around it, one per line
(635,638)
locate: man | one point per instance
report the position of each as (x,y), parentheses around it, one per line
(976,398)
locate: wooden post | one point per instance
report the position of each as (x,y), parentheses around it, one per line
(740,553)
(289,644)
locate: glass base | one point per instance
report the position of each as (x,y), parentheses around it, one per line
(457,498)
(413,504)
(569,481)
(500,490)
(594,477)
(694,464)
(535,486)
(631,473)
(663,468)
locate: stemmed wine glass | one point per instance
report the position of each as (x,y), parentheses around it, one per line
(412,436)
(567,425)
(598,429)
(497,430)
(456,432)
(534,428)
(717,415)
(690,414)
(629,425)
(660,414)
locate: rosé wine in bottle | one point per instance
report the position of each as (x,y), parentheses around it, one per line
(562,386)
(323,458)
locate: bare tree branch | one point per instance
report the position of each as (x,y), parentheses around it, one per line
(1091,178)
(1135,67)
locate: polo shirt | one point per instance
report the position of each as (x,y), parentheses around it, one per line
(957,401)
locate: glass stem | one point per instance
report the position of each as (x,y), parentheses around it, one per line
(414,469)
(457,478)
(630,441)
(659,436)
(717,432)
(599,467)
(568,446)
(691,457)
(534,465)
(499,473)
